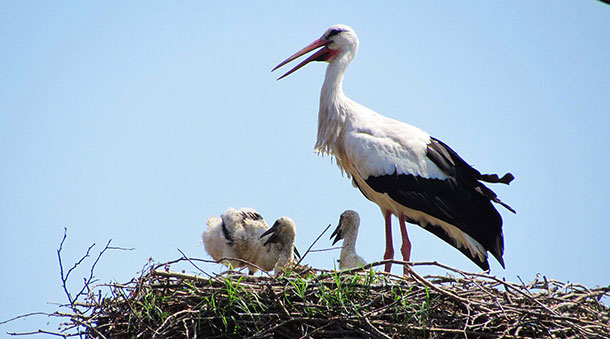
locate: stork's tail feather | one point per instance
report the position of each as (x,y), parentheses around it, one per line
(494,178)
(496,200)
(489,194)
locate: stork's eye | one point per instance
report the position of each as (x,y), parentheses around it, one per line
(333,33)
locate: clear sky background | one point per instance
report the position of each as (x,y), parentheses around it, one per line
(137,121)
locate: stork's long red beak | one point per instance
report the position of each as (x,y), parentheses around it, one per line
(321,55)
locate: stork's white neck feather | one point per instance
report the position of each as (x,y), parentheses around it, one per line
(333,103)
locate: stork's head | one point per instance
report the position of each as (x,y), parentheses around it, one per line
(283,232)
(339,41)
(348,226)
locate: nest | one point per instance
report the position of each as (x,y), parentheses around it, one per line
(359,303)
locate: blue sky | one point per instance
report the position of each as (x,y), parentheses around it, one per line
(137,121)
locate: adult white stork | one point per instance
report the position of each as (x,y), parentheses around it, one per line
(400,167)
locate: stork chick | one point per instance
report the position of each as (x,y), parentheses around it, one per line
(348,231)
(282,236)
(236,235)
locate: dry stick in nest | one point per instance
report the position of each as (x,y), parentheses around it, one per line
(507,285)
(314,242)
(487,276)
(318,329)
(192,263)
(416,276)
(88,280)
(419,279)
(520,307)
(78,318)
(175,315)
(190,260)
(56,334)
(574,322)
(375,329)
(511,325)
(179,275)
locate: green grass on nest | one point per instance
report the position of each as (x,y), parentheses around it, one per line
(360,303)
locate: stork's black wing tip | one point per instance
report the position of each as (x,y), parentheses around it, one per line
(484,265)
(501,261)
(507,178)
(494,178)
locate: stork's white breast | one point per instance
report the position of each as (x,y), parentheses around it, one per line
(376,145)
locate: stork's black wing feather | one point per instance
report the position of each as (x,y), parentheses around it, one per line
(453,165)
(461,200)
(450,202)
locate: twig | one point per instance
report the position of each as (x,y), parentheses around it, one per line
(88,280)
(376,330)
(318,329)
(326,249)
(313,243)
(192,263)
(160,303)
(64,278)
(57,334)
(179,275)
(28,315)
(175,315)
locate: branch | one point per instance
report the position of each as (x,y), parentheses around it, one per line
(192,263)
(314,242)
(90,279)
(57,334)
(23,316)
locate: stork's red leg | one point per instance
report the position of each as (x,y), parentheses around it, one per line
(389,247)
(406,244)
